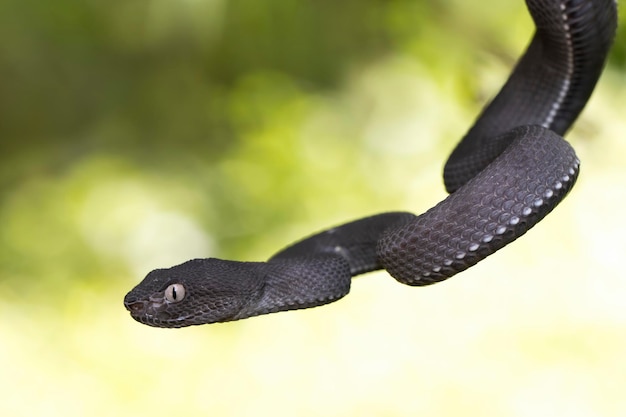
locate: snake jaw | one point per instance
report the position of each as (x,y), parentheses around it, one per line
(154,311)
(143,310)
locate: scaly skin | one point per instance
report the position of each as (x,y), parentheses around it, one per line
(509,171)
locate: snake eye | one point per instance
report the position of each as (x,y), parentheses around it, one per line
(175,293)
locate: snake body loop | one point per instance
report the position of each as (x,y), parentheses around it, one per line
(508,172)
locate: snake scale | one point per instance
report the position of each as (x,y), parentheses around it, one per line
(508,172)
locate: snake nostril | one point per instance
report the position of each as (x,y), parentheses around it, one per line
(135,307)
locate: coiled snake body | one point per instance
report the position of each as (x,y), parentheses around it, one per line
(509,171)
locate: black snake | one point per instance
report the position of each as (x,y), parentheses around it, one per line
(510,170)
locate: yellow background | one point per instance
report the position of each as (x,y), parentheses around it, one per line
(140,134)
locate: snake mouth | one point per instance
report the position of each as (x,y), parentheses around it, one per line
(166,322)
(154,314)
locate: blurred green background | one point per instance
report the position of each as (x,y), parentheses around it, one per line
(139,134)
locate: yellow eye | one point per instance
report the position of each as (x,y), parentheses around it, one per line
(175,293)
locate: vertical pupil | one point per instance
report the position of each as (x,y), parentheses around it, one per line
(174,292)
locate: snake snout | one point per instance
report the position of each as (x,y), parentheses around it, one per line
(134,306)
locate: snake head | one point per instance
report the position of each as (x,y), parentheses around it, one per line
(196,292)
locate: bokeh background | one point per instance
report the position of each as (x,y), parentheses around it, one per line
(138,134)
